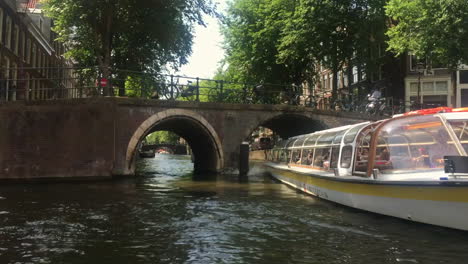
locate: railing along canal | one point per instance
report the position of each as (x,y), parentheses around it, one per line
(51,83)
(58,83)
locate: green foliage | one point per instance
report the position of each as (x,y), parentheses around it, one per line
(433,29)
(252,30)
(141,35)
(141,85)
(282,41)
(160,137)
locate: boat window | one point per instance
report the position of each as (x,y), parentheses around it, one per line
(362,149)
(322,158)
(460,127)
(339,136)
(310,141)
(334,157)
(414,143)
(307,157)
(346,155)
(296,156)
(283,156)
(276,156)
(351,135)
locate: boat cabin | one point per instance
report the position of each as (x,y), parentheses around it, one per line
(410,144)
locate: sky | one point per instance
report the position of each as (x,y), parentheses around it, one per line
(206,50)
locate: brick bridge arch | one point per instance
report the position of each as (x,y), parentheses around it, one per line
(194,128)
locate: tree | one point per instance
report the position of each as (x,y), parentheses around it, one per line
(252,30)
(333,33)
(160,137)
(433,29)
(141,35)
(282,41)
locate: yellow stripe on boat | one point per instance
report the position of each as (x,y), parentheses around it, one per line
(450,193)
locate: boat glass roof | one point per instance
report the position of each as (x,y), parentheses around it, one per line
(311,139)
(351,135)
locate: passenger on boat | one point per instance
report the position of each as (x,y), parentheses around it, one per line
(423,158)
(326,161)
(384,155)
(442,148)
(364,154)
(309,159)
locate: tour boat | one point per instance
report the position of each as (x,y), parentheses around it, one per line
(149,153)
(412,166)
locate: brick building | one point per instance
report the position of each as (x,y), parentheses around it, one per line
(32,65)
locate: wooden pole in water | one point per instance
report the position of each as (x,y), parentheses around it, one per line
(244,159)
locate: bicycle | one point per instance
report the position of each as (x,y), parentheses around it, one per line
(168,91)
(188,92)
(310,101)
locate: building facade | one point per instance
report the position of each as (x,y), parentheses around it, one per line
(434,85)
(32,65)
(356,81)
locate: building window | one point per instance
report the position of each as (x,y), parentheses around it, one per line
(414,88)
(355,75)
(428,87)
(340,84)
(464,77)
(14,78)
(43,63)
(441,87)
(6,75)
(39,59)
(27,86)
(414,61)
(15,39)
(1,24)
(432,93)
(28,50)
(8,33)
(33,55)
(22,47)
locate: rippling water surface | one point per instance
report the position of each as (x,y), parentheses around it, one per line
(166,216)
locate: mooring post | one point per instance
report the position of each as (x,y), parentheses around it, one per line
(244,159)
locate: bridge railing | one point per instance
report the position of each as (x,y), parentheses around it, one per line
(49,83)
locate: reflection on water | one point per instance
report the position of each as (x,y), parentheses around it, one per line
(163,216)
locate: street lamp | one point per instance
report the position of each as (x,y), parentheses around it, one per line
(420,68)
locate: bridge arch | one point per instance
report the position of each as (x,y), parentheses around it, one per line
(288,124)
(194,128)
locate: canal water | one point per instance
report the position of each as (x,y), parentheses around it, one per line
(166,216)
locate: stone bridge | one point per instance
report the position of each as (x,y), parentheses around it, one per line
(98,137)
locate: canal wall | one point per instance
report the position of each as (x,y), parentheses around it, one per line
(56,140)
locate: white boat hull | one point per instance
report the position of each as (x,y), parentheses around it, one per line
(438,204)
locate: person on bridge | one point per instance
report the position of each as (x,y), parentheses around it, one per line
(376,94)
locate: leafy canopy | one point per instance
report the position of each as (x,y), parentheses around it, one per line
(434,29)
(282,41)
(142,35)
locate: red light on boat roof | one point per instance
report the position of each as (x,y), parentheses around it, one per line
(442,109)
(461,109)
